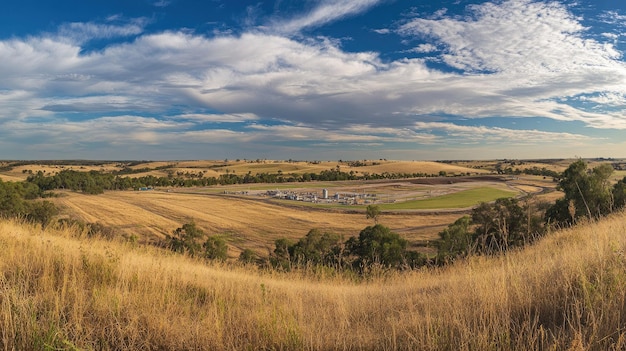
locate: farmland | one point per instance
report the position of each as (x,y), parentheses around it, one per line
(244,223)
(248,219)
(251,216)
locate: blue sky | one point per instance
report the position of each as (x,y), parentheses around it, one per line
(312,79)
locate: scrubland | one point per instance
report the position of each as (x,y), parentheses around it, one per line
(62,290)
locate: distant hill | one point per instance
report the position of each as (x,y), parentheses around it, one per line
(20,170)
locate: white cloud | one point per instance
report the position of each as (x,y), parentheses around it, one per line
(613,17)
(327,11)
(517,58)
(425,48)
(495,134)
(606,99)
(523,36)
(81,31)
(348,135)
(382,31)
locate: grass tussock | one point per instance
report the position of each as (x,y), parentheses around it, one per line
(57,291)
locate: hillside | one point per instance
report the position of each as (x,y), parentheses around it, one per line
(60,290)
(241,167)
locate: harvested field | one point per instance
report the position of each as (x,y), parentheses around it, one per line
(243,223)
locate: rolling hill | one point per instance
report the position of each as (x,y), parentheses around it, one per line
(61,290)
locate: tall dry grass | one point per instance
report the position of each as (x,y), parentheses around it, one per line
(57,291)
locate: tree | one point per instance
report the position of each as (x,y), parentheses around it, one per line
(41,212)
(215,248)
(587,193)
(454,241)
(373,212)
(503,224)
(11,201)
(247,256)
(377,245)
(317,248)
(184,239)
(281,257)
(619,194)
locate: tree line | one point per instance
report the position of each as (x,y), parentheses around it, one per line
(96,182)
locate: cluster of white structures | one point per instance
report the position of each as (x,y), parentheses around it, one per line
(347,198)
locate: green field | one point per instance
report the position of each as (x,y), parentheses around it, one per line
(461,199)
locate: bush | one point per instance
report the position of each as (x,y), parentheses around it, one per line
(215,248)
(184,239)
(378,245)
(455,241)
(247,256)
(41,212)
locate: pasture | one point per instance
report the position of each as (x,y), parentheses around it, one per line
(460,199)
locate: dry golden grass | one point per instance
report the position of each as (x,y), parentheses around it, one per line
(12,177)
(245,223)
(568,292)
(415,167)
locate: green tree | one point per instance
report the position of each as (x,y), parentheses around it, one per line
(215,248)
(11,201)
(619,194)
(587,193)
(503,224)
(281,257)
(377,245)
(41,212)
(454,241)
(317,248)
(561,213)
(247,256)
(373,212)
(185,239)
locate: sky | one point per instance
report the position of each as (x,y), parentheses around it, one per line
(312,79)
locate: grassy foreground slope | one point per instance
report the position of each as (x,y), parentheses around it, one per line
(59,290)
